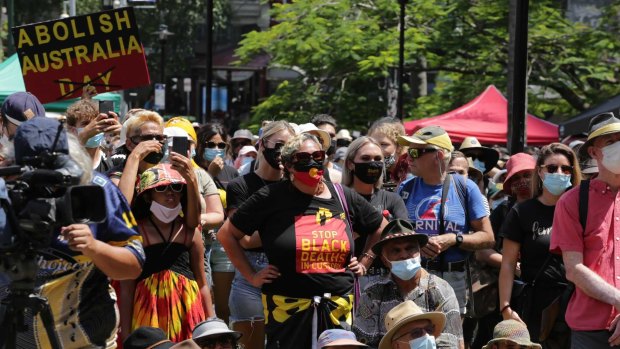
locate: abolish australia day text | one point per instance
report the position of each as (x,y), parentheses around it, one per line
(87,39)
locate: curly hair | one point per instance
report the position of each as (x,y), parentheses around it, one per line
(391,128)
(82,110)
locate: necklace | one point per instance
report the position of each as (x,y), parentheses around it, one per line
(169,240)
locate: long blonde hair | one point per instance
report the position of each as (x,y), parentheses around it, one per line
(354,147)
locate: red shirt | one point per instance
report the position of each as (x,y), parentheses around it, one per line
(600,246)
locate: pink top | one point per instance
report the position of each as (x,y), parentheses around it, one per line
(600,246)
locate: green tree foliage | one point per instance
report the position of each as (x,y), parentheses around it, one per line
(346,48)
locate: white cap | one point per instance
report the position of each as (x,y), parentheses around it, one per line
(323,136)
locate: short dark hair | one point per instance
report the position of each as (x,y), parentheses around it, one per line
(321,119)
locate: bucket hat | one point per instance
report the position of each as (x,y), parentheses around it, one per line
(434,135)
(243,134)
(602,124)
(338,337)
(157,176)
(471,147)
(514,331)
(517,163)
(212,328)
(405,313)
(397,229)
(147,338)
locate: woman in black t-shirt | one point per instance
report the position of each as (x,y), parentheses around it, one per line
(303,226)
(527,234)
(363,172)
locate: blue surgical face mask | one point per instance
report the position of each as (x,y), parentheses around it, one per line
(406,269)
(246,160)
(212,153)
(425,342)
(556,183)
(193,153)
(94,141)
(479,165)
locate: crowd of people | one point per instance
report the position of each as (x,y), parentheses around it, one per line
(303,236)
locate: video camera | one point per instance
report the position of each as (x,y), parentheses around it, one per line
(41,195)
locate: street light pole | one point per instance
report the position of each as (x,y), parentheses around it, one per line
(163,34)
(401,60)
(209,61)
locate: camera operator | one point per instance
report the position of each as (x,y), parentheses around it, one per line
(75,269)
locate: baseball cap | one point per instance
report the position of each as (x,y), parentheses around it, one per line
(434,135)
(21,106)
(37,135)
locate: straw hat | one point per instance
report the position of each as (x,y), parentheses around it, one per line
(323,136)
(513,331)
(471,146)
(405,313)
(602,124)
(398,229)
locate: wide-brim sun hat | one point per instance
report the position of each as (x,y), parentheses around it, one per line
(337,338)
(513,331)
(398,229)
(147,337)
(429,135)
(490,156)
(323,136)
(517,163)
(405,313)
(243,134)
(213,327)
(159,175)
(600,125)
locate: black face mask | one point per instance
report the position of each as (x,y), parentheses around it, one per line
(368,172)
(307,166)
(332,148)
(154,157)
(271,156)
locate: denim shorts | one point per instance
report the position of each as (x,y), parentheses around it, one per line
(219,260)
(245,301)
(458,281)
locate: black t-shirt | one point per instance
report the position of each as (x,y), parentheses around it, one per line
(305,237)
(383,200)
(240,189)
(529,223)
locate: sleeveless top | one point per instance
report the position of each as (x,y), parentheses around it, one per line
(164,255)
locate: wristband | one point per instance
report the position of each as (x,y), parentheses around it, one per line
(369,256)
(504,308)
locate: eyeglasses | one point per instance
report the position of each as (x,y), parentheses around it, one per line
(417,332)
(211,343)
(276,145)
(143,138)
(551,168)
(305,158)
(212,145)
(175,187)
(416,153)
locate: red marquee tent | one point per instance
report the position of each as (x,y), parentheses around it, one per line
(486,118)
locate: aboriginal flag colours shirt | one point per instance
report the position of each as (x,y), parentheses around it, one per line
(305,237)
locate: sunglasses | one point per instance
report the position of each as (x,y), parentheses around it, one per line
(241,143)
(305,158)
(143,138)
(212,145)
(417,332)
(175,187)
(210,343)
(554,168)
(276,145)
(416,153)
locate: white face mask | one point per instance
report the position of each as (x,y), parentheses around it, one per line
(164,213)
(611,157)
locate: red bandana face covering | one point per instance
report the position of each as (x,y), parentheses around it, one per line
(311,177)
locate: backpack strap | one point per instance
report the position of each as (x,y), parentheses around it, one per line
(461,190)
(584,196)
